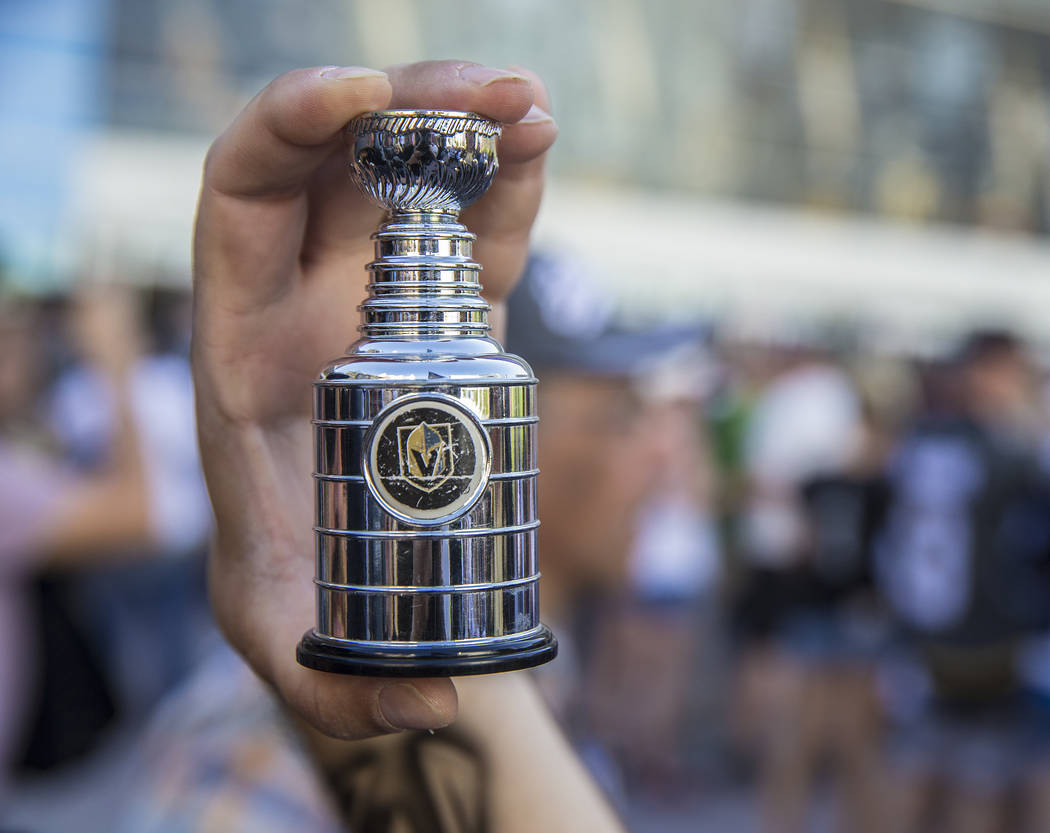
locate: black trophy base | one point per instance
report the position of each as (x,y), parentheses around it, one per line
(511,655)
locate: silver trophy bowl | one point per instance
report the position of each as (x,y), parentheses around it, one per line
(425,466)
(423,161)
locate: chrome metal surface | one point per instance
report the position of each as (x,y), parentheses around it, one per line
(347,505)
(412,161)
(424,431)
(409,645)
(429,588)
(503,556)
(382,616)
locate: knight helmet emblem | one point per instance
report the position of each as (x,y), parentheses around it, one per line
(425,454)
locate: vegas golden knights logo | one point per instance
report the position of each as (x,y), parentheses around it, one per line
(426,458)
(425,454)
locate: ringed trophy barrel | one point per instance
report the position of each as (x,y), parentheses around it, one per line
(425,475)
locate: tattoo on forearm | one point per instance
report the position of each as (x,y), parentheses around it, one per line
(414,783)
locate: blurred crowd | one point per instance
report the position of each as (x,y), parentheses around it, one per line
(823,574)
(797,575)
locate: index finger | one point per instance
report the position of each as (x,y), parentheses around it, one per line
(253,205)
(288,130)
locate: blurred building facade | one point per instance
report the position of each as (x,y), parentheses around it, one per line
(930,110)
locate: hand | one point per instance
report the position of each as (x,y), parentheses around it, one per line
(281,242)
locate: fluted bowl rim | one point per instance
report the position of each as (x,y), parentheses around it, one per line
(472,121)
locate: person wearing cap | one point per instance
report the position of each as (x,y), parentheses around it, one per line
(611,430)
(596,456)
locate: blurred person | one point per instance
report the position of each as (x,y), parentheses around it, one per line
(125,621)
(146,615)
(806,422)
(803,420)
(665,626)
(618,419)
(52,517)
(744,370)
(806,694)
(676,553)
(964,563)
(596,450)
(837,629)
(281,242)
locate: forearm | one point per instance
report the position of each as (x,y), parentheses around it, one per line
(107,513)
(538,782)
(93,523)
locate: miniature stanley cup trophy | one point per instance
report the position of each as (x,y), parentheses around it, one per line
(425,433)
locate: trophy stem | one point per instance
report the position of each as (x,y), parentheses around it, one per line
(424,283)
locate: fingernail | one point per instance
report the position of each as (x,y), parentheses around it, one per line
(483,76)
(343,73)
(536,115)
(404,707)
